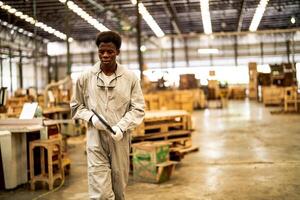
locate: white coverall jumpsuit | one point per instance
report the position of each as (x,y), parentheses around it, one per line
(121,104)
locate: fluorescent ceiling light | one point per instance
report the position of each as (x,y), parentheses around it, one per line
(18,14)
(70,40)
(13,28)
(143,48)
(293,20)
(12,10)
(206,20)
(81,13)
(149,19)
(259,12)
(208,51)
(32,21)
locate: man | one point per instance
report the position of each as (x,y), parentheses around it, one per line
(115,94)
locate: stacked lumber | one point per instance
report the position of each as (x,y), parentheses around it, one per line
(176,99)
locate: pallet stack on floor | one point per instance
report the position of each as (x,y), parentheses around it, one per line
(173,126)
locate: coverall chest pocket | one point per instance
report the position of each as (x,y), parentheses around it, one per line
(119,102)
(90,103)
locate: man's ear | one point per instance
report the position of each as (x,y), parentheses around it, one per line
(118,51)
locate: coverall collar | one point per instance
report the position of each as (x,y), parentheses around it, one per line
(120,69)
(97,70)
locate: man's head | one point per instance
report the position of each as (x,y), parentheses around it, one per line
(107,37)
(108,44)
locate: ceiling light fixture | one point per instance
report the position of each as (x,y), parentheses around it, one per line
(81,13)
(149,19)
(33,22)
(208,51)
(143,48)
(259,12)
(12,27)
(293,20)
(206,20)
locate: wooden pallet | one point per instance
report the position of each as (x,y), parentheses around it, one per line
(178,153)
(178,140)
(163,121)
(164,136)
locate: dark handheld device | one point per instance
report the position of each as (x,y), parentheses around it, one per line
(104,122)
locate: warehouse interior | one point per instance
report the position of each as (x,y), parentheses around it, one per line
(220,80)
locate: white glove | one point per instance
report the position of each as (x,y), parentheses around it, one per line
(119,134)
(97,123)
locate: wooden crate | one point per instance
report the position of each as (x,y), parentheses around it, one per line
(273,95)
(237,92)
(151,162)
(152,102)
(153,152)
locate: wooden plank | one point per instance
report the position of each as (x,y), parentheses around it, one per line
(164,135)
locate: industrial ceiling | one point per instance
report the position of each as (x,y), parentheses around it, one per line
(172,16)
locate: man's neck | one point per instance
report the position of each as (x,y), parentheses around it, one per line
(109,70)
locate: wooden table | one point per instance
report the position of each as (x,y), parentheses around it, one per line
(56,112)
(13,145)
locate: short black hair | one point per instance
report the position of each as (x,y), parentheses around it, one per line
(109,36)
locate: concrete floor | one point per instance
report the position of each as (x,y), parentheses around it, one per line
(245,154)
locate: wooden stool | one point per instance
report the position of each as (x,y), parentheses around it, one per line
(291,99)
(54,148)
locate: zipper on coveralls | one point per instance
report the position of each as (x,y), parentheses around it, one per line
(106,102)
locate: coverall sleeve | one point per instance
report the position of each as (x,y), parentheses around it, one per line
(77,104)
(135,115)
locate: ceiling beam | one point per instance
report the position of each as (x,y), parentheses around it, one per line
(241,16)
(170,9)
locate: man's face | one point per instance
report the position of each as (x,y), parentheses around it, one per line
(107,54)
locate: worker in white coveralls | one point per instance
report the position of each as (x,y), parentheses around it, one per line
(114,92)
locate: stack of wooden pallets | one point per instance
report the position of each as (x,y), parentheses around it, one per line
(172,126)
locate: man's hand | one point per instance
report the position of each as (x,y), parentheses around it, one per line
(97,123)
(119,134)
